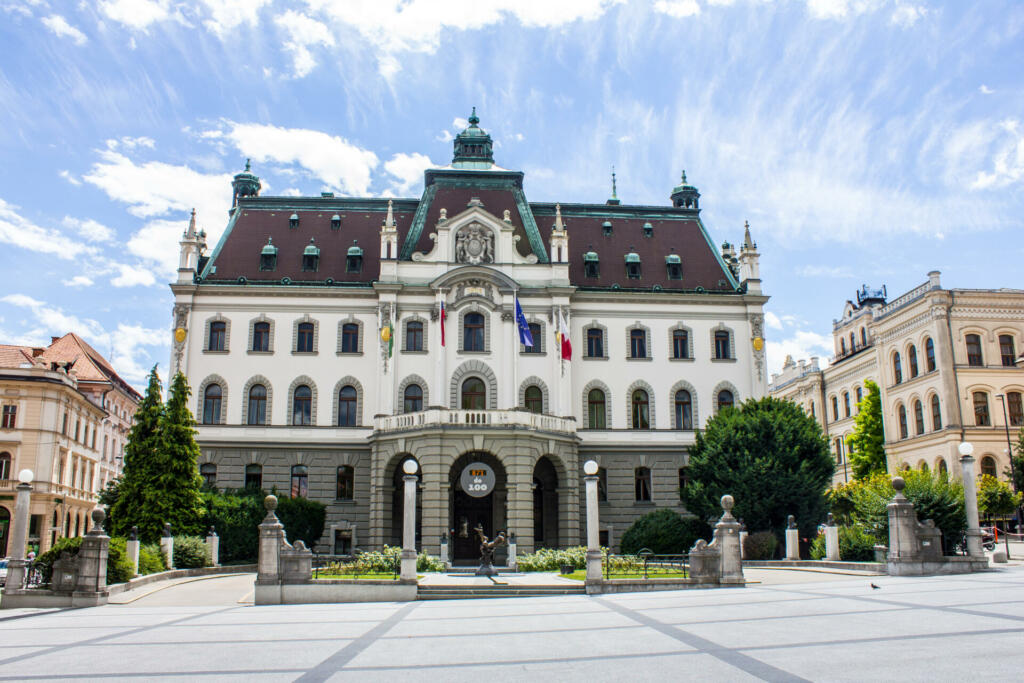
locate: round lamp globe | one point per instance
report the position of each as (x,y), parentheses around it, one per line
(26,476)
(410,466)
(965,448)
(590,468)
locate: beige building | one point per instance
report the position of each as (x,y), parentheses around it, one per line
(949,366)
(65,416)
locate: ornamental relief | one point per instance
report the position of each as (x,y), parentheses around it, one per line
(474,287)
(474,244)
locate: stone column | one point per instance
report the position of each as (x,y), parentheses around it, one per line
(213,547)
(167,545)
(593,535)
(268,564)
(831,540)
(971,507)
(92,557)
(792,539)
(727,535)
(409,526)
(439,389)
(17,566)
(508,392)
(133,549)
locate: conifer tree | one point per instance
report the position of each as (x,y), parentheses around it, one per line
(140,467)
(867,442)
(176,498)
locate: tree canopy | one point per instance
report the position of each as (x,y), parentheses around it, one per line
(771,457)
(140,467)
(867,442)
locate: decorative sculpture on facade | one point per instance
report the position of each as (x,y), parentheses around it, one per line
(474,244)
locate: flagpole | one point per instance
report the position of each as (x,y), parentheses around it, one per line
(515,350)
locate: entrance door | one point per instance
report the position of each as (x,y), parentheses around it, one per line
(468,512)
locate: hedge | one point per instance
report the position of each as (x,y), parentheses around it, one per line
(119,567)
(664,532)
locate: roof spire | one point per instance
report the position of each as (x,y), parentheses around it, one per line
(473,118)
(684,177)
(247,165)
(559,224)
(747,242)
(191,232)
(389,222)
(614,200)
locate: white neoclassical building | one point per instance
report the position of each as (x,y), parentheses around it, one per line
(328,339)
(947,362)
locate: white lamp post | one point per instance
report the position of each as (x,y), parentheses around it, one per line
(19,533)
(590,469)
(410,467)
(966,448)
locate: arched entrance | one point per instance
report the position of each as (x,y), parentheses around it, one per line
(5,528)
(545,504)
(398,501)
(467,511)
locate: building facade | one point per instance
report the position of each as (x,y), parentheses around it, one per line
(947,362)
(66,417)
(330,339)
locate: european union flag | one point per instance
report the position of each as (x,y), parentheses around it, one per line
(524,327)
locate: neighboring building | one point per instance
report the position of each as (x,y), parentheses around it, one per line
(279,332)
(948,363)
(66,416)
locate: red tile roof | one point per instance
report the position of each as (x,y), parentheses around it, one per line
(14,356)
(86,361)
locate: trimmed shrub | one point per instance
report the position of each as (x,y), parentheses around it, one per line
(551,560)
(119,567)
(760,546)
(190,552)
(151,559)
(303,519)
(855,545)
(664,532)
(388,560)
(236,516)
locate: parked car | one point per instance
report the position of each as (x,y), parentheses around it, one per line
(3,572)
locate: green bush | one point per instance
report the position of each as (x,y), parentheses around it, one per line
(551,560)
(664,532)
(387,561)
(303,519)
(190,552)
(151,559)
(760,546)
(855,545)
(236,516)
(119,567)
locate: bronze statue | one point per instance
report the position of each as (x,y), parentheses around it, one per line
(487,551)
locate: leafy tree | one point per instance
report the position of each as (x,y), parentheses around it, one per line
(867,442)
(771,457)
(995,497)
(132,506)
(664,532)
(1015,473)
(176,498)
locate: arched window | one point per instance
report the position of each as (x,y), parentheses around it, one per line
(929,354)
(846,403)
(347,407)
(254,476)
(257,412)
(208,471)
(684,410)
(974,350)
(302,406)
(412,399)
(923,466)
(474,396)
(897,367)
(918,418)
(641,410)
(211,404)
(350,338)
(902,411)
(473,332)
(726,400)
(218,335)
(534,399)
(5,466)
(863,337)
(912,360)
(941,467)
(722,344)
(1015,407)
(1006,351)
(300,481)
(988,466)
(936,413)
(346,483)
(860,395)
(853,344)
(642,484)
(414,336)
(304,338)
(842,347)
(981,416)
(835,408)
(261,336)
(839,450)
(596,409)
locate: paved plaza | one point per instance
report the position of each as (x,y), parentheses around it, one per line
(818,627)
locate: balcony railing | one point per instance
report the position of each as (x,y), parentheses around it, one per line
(444,417)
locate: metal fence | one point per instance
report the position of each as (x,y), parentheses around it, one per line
(645,565)
(356,565)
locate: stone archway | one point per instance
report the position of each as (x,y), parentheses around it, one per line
(545,504)
(466,511)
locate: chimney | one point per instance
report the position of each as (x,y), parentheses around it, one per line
(53,340)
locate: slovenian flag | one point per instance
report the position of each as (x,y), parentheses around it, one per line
(563,336)
(525,338)
(444,316)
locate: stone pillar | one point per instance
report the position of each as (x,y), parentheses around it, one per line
(133,549)
(831,540)
(409,527)
(903,544)
(512,565)
(727,538)
(593,522)
(167,545)
(268,564)
(971,507)
(17,567)
(92,557)
(792,539)
(213,547)
(444,550)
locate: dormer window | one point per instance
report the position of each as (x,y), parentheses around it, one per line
(633,265)
(268,256)
(591,267)
(311,258)
(674,264)
(354,260)
(648,230)
(606,228)
(335,222)
(293,221)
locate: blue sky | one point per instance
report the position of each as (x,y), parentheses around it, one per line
(866,141)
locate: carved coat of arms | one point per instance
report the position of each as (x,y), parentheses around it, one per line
(474,244)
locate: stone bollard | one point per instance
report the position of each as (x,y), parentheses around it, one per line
(92,557)
(727,538)
(970,501)
(590,469)
(705,562)
(408,569)
(133,549)
(792,539)
(743,540)
(18,566)
(444,550)
(512,564)
(831,539)
(213,547)
(167,545)
(268,562)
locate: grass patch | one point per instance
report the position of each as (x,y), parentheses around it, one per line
(581,575)
(372,576)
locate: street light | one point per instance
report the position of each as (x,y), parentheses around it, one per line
(410,466)
(590,468)
(26,476)
(965,448)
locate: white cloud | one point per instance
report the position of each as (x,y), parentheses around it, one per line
(136,14)
(908,15)
(460,124)
(61,28)
(91,230)
(985,90)
(826,271)
(131,276)
(292,192)
(79,281)
(802,344)
(66,175)
(303,32)
(445,136)
(228,14)
(1007,160)
(407,169)
(341,165)
(772,321)
(17,230)
(678,8)
(157,241)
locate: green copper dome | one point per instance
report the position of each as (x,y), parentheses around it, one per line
(269,249)
(473,147)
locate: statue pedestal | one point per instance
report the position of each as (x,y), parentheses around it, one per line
(486,569)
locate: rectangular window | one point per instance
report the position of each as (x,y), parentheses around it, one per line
(218,334)
(602,485)
(414,336)
(981,416)
(1015,407)
(680,344)
(253,476)
(591,269)
(974,350)
(684,480)
(473,332)
(350,338)
(637,344)
(342,542)
(1006,350)
(304,339)
(642,485)
(10,416)
(346,483)
(535,334)
(261,337)
(595,343)
(300,481)
(721,345)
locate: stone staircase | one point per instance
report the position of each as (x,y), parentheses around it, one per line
(467,591)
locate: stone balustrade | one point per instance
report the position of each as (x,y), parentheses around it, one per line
(445,417)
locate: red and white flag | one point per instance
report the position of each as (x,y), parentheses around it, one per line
(563,336)
(444,316)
